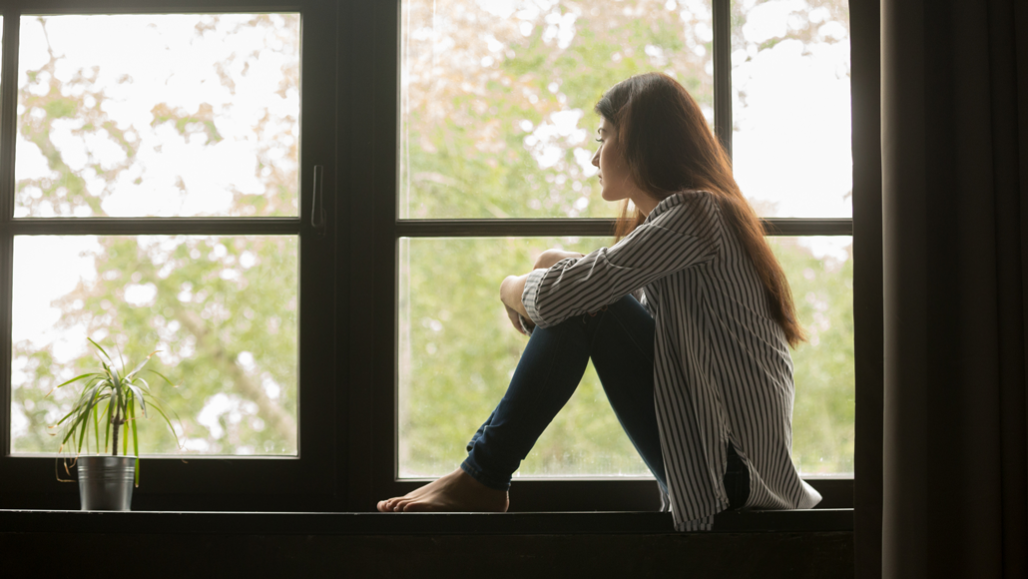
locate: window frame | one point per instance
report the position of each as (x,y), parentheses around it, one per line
(202,483)
(534,494)
(348,416)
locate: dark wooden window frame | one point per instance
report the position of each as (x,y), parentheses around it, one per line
(347,457)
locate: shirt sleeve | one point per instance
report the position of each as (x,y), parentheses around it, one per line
(576,286)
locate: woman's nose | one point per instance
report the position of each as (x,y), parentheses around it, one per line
(596,159)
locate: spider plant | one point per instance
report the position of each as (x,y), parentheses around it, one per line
(110,399)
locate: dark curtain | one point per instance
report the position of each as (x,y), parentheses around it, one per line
(955,250)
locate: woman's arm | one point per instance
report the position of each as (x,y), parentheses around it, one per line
(652,251)
(512,303)
(514,286)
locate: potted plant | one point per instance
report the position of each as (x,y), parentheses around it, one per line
(109,400)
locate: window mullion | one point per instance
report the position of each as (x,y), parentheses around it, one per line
(722,15)
(8,110)
(9,101)
(157,226)
(590,227)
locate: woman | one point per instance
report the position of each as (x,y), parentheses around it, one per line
(688,320)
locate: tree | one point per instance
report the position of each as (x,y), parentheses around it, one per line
(496,114)
(223,309)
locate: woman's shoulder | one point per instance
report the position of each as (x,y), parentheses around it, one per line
(692,212)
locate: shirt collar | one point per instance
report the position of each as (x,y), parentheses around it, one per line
(669,202)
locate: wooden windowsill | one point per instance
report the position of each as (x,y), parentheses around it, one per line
(261,523)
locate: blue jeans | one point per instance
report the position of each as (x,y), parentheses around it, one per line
(619,340)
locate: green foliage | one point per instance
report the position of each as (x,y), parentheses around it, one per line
(822,289)
(458,352)
(222,309)
(451,375)
(466,150)
(200,121)
(60,108)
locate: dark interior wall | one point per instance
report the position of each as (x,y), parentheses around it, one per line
(723,555)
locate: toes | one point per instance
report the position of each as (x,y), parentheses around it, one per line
(387,505)
(416,507)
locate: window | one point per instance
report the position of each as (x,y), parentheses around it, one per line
(326,367)
(156,173)
(494,166)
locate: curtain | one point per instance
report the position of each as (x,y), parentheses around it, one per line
(955,269)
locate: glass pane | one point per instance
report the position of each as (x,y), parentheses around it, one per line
(158,115)
(222,311)
(820,272)
(791,107)
(457,354)
(497,97)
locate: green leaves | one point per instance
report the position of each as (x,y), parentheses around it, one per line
(124,393)
(102,351)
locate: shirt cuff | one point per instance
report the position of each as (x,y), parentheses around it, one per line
(526,325)
(530,296)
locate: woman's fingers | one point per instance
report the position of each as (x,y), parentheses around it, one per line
(515,319)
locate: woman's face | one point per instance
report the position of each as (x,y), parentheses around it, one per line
(615,178)
(613,169)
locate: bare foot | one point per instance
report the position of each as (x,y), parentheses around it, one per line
(455,492)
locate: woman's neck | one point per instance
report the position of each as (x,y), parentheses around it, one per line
(644,202)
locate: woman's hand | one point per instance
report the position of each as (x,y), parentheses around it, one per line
(510,294)
(552,256)
(515,319)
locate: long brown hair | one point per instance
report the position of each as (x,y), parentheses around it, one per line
(669,148)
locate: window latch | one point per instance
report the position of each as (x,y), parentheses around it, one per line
(319,217)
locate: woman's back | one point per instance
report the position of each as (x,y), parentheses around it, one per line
(723,372)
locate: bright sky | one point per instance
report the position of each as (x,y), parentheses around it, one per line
(791,146)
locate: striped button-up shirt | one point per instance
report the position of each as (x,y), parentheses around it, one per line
(722,369)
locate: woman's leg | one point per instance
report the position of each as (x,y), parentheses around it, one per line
(622,353)
(619,339)
(548,373)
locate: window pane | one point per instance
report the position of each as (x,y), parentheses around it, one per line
(497,97)
(820,272)
(457,354)
(158,115)
(222,311)
(791,107)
